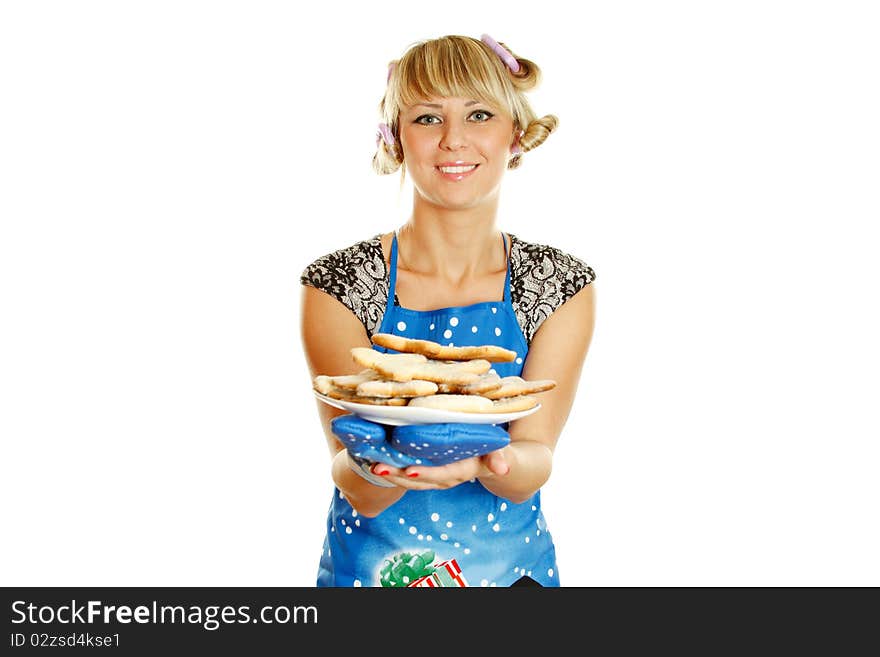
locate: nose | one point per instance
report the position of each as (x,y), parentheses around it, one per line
(453,137)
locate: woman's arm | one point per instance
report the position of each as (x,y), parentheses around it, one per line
(557,352)
(329,330)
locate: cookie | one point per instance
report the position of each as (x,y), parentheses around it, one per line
(437,351)
(406,367)
(486,383)
(464,403)
(390,366)
(347,395)
(459,373)
(414,388)
(352,381)
(513,404)
(324,385)
(512,386)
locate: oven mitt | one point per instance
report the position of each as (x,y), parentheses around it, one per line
(368,440)
(417,444)
(439,444)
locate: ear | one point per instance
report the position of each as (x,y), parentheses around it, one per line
(515,148)
(517,134)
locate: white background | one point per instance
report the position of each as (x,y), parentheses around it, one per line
(167,169)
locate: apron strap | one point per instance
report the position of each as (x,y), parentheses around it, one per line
(506,296)
(392,278)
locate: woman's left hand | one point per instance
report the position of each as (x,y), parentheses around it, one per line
(426,456)
(423,477)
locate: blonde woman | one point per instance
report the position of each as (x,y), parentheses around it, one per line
(455,117)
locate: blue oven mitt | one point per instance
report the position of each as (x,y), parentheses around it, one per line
(417,444)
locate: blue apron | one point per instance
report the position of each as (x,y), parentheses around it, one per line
(462,536)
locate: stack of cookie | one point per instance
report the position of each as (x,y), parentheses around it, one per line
(430,375)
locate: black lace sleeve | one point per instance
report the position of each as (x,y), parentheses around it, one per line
(355,276)
(542,278)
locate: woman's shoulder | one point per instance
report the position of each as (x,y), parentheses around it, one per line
(354,275)
(344,262)
(530,259)
(542,278)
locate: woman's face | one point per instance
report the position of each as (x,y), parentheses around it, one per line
(456,150)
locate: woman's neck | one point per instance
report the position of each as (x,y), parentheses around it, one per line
(452,246)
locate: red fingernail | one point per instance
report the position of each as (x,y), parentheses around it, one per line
(384,472)
(413,474)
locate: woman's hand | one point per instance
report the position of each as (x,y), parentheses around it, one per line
(439,477)
(425,456)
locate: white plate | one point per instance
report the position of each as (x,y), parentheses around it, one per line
(400,415)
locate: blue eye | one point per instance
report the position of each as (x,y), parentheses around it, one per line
(488,115)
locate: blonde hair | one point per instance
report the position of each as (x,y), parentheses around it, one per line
(465,67)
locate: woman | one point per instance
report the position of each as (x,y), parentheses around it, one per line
(455,116)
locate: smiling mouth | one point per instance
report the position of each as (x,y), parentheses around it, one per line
(458,169)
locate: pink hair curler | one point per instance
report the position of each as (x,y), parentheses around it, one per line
(502,52)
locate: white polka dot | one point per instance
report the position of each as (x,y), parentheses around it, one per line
(401,326)
(435,517)
(473,329)
(519,361)
(550,572)
(484,582)
(494,310)
(431,327)
(357,583)
(447,334)
(497,331)
(503,506)
(449,523)
(453,321)
(348,530)
(528,538)
(444,537)
(413,530)
(496,527)
(490,517)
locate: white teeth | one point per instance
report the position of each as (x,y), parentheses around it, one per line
(458,169)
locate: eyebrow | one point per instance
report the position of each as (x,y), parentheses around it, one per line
(438,106)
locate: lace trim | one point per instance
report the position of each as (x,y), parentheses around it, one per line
(542,278)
